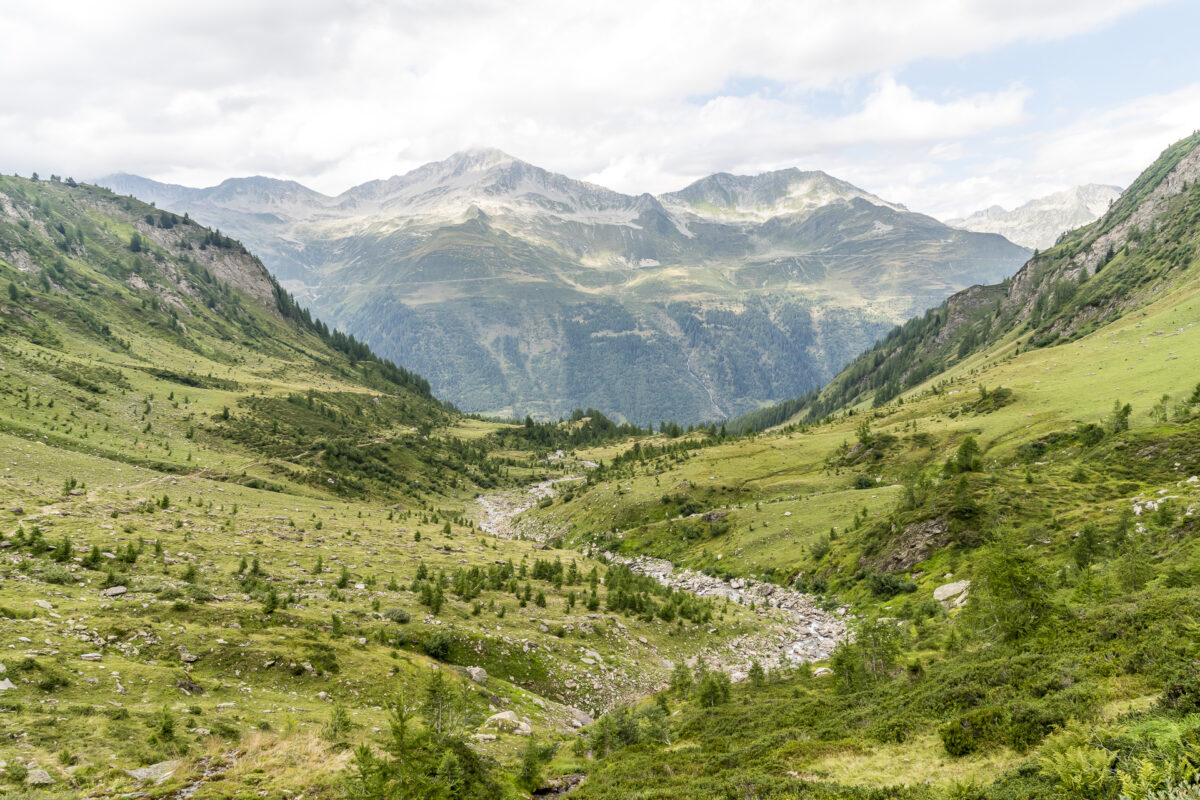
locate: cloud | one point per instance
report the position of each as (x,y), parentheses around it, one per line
(1101,145)
(641,95)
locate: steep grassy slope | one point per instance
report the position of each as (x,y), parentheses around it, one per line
(233,539)
(1053,465)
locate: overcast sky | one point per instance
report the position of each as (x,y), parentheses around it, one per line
(944,105)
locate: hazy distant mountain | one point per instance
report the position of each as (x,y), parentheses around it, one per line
(1040,222)
(517,290)
(759,197)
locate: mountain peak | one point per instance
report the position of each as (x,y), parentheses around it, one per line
(1039,222)
(481,158)
(724,195)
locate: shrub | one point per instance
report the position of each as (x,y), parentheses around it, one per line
(1181,694)
(969,731)
(955,739)
(889,585)
(398,616)
(58,575)
(438,646)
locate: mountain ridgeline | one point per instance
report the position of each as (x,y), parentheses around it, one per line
(1040,222)
(1126,259)
(520,291)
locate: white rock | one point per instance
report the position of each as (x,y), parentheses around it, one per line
(155,772)
(504,721)
(38,777)
(952,594)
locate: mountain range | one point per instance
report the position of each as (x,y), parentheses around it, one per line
(517,291)
(1040,222)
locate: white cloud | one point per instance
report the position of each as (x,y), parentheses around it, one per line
(337,93)
(1110,146)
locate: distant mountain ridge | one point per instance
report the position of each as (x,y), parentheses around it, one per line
(518,290)
(1040,222)
(771,194)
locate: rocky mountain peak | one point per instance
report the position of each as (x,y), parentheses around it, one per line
(770,194)
(1039,222)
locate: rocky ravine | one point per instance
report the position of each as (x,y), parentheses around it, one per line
(795,629)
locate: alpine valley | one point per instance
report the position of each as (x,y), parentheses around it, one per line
(244,554)
(517,291)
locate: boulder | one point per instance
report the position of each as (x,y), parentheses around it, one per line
(155,772)
(91,656)
(952,595)
(38,777)
(6,684)
(821,672)
(580,716)
(504,721)
(477,674)
(114,591)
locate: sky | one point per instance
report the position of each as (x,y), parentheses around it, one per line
(947,106)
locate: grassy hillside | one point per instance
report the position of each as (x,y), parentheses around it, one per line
(1052,463)
(235,540)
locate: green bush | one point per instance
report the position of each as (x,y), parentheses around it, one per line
(58,575)
(889,585)
(438,646)
(969,731)
(1181,694)
(398,616)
